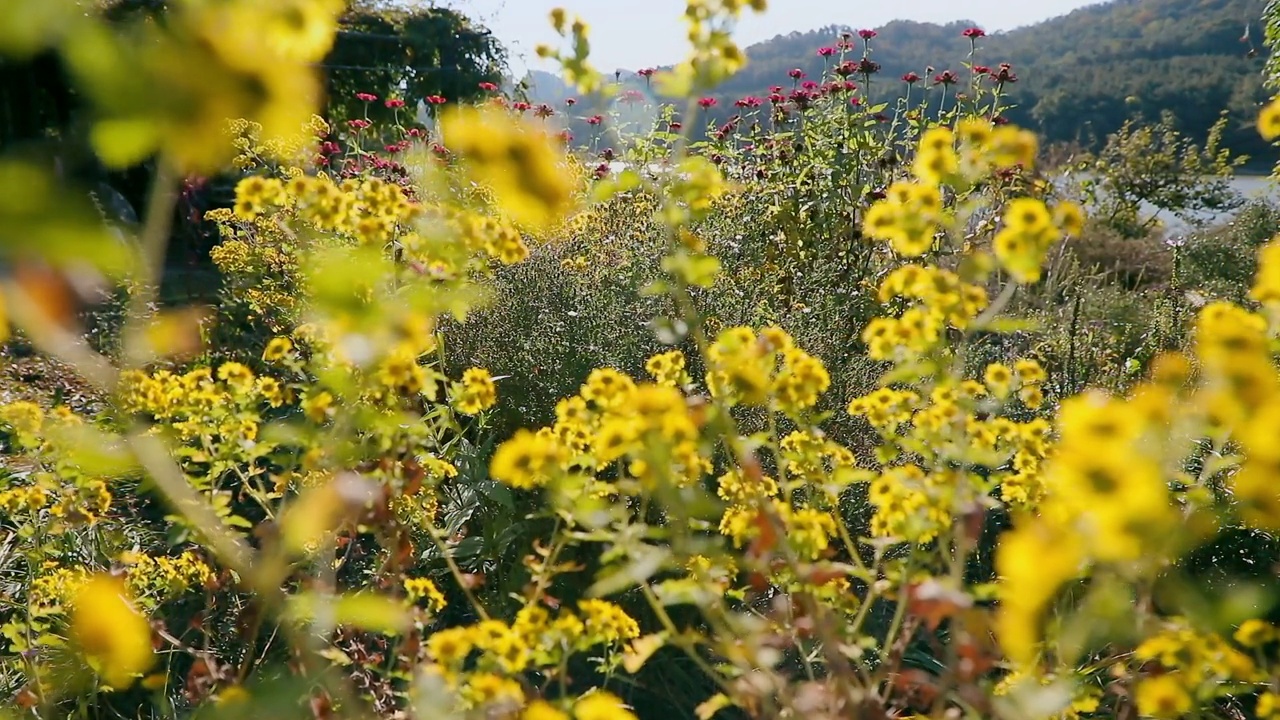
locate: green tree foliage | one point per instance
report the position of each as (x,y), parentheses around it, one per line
(385,49)
(1146,170)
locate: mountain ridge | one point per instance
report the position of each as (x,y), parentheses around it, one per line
(1081,74)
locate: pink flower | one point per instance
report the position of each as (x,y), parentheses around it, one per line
(707,102)
(358,124)
(945,78)
(981,70)
(566,137)
(910,78)
(826,51)
(488,87)
(571,101)
(366,97)
(809,85)
(775,89)
(595,120)
(394,103)
(974,33)
(544,111)
(867,34)
(436,100)
(675,126)
(796,74)
(521,106)
(846,68)
(646,72)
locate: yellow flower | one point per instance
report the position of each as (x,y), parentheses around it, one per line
(115,638)
(1255,633)
(477,392)
(601,705)
(527,460)
(519,161)
(1269,120)
(419,589)
(317,407)
(1266,282)
(607,387)
(1268,707)
(1069,217)
(542,710)
(278,349)
(451,646)
(1163,696)
(238,377)
(999,379)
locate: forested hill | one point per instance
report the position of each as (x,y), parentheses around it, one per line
(1080,75)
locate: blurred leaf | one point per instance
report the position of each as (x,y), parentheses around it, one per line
(367,611)
(28,26)
(124,143)
(641,650)
(712,705)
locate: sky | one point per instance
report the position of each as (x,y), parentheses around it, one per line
(634,34)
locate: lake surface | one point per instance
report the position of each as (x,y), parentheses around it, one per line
(1249,187)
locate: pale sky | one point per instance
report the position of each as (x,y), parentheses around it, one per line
(632,34)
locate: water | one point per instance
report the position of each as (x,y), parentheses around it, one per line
(1248,187)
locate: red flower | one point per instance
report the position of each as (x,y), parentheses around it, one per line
(436,100)
(571,101)
(809,85)
(796,74)
(632,96)
(358,124)
(394,103)
(544,111)
(707,102)
(416,133)
(910,78)
(595,120)
(974,33)
(981,70)
(749,101)
(866,34)
(675,126)
(945,78)
(566,137)
(521,106)
(488,87)
(846,68)
(867,66)
(646,72)
(602,171)
(826,51)
(366,97)
(776,98)
(775,89)
(1005,74)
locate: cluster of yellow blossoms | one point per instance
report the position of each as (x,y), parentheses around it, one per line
(1111,501)
(935,299)
(483,661)
(911,218)
(746,368)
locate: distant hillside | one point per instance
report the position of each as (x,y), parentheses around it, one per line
(1080,75)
